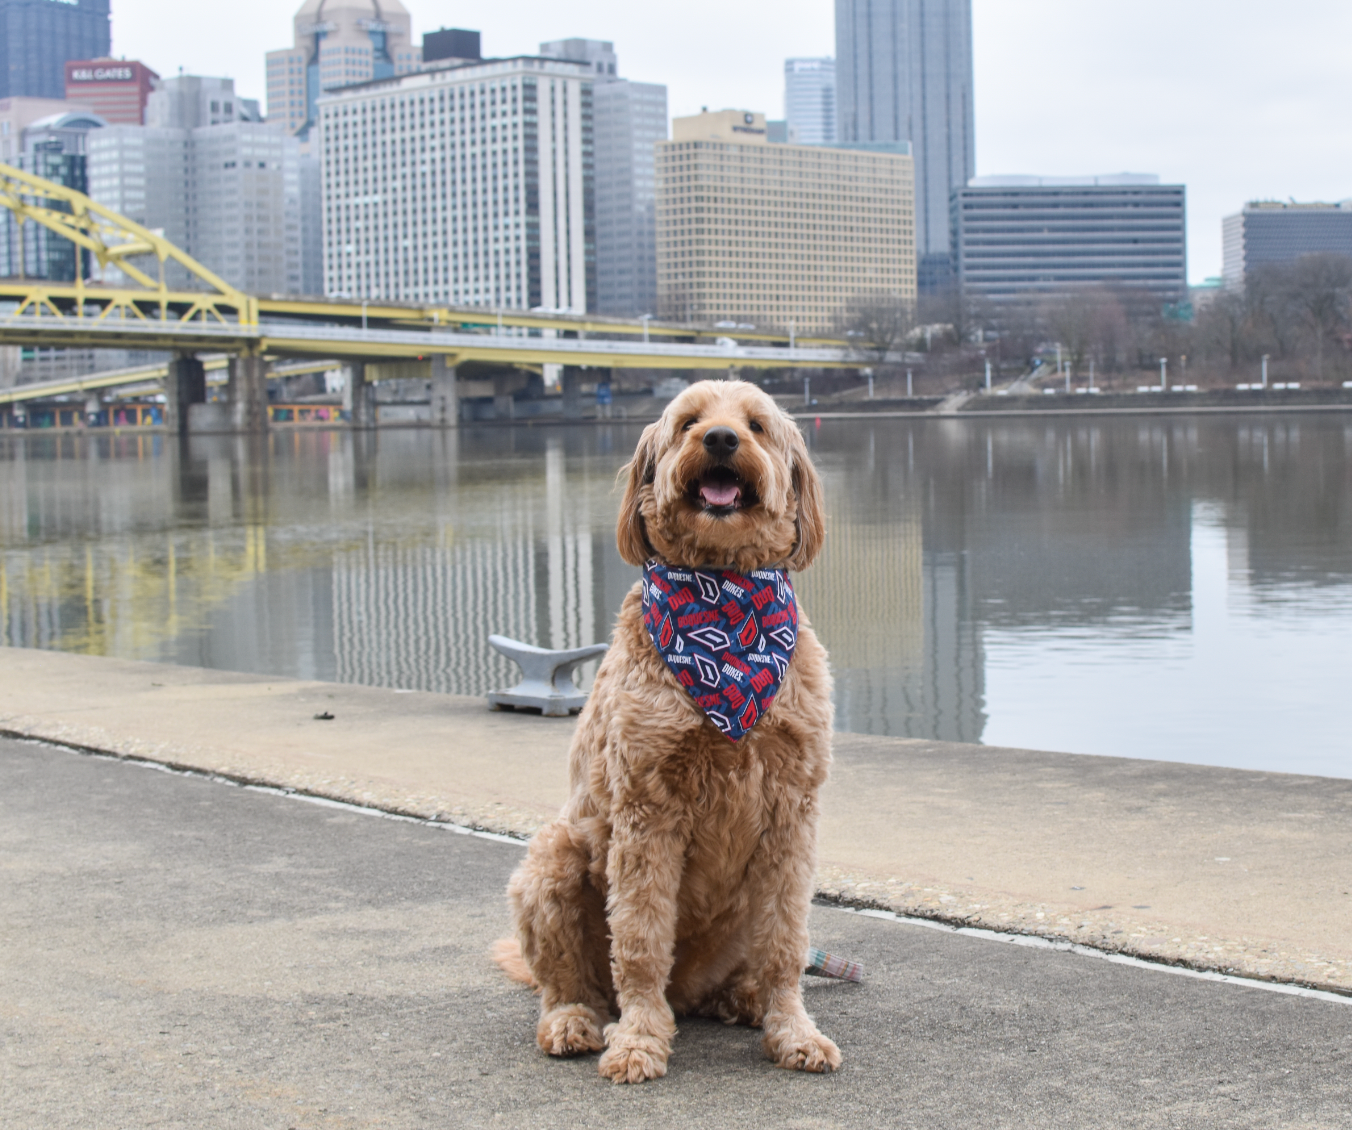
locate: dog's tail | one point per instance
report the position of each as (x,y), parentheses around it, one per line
(507,953)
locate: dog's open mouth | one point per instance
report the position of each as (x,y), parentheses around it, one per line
(721,491)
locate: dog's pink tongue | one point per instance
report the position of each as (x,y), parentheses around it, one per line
(719,494)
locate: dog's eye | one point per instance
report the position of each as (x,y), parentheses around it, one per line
(755,426)
(690,423)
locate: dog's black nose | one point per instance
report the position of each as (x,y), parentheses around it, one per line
(720,442)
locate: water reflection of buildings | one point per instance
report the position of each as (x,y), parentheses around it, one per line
(389,558)
(339,558)
(894,613)
(419,615)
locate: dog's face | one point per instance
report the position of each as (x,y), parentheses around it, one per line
(722,479)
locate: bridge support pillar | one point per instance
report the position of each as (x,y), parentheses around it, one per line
(572,392)
(187,385)
(445,394)
(504,406)
(247,393)
(359,396)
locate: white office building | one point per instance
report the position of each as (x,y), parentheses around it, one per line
(631,118)
(228,195)
(470,184)
(810,100)
(191,101)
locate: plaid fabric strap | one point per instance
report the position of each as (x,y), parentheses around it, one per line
(823,964)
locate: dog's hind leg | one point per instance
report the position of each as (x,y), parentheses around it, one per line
(736,1001)
(782,874)
(560,922)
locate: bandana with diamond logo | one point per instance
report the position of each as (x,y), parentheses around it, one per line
(727,637)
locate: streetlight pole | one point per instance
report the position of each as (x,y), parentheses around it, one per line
(1265,361)
(988,374)
(1164,382)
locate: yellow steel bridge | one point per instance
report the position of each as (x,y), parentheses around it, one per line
(126,302)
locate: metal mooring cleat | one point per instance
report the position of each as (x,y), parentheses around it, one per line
(547,685)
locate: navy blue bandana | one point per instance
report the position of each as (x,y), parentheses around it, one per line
(727,638)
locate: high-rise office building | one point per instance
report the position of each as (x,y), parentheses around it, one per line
(38,38)
(225,189)
(116,89)
(1269,232)
(630,119)
(192,101)
(17,114)
(810,100)
(53,147)
(337,43)
(904,73)
(599,54)
(777,234)
(469,184)
(452,44)
(1024,238)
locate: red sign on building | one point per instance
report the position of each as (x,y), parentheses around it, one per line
(115,89)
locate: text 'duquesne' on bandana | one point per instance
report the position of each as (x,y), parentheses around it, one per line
(728,637)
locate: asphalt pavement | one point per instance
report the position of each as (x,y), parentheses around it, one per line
(176,951)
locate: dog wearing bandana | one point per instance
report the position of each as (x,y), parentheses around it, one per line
(678,878)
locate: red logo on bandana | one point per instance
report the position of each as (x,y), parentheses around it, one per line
(727,639)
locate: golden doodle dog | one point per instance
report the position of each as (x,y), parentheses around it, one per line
(678,878)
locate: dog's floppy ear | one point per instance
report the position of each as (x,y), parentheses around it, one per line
(811,507)
(630,535)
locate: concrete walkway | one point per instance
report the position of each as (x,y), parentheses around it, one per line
(179,952)
(1218,869)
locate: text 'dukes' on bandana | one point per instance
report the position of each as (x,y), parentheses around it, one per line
(727,637)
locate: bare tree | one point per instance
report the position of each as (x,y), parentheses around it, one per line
(1091,322)
(1223,329)
(1319,297)
(877,324)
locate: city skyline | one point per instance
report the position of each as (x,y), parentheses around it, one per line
(1172,92)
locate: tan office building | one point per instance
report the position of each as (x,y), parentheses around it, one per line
(767,234)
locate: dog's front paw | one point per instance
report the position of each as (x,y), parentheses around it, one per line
(799,1049)
(633,1058)
(571,1029)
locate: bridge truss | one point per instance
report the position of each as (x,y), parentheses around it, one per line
(112,244)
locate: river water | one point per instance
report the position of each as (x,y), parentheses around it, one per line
(1176,588)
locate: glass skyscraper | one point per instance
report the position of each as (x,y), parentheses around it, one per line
(810,100)
(38,38)
(630,119)
(904,73)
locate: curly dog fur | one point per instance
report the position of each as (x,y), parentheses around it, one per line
(678,878)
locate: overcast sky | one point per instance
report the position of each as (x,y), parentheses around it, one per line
(1237,99)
